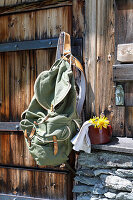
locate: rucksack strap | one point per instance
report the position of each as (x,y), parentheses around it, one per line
(63,46)
(64,49)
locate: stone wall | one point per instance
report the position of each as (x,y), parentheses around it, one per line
(104,175)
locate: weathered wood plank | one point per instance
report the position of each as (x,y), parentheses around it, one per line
(0,84)
(41,24)
(105,92)
(17,27)
(90,54)
(4,180)
(78,18)
(123,72)
(53,186)
(46,63)
(117,118)
(129,94)
(18,181)
(32,7)
(46,185)
(125,52)
(124,4)
(5,149)
(7,89)
(26,3)
(123,32)
(129,121)
(123,22)
(52,21)
(105,55)
(19,70)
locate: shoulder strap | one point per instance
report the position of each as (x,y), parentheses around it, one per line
(64,49)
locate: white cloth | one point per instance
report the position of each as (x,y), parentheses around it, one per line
(82,141)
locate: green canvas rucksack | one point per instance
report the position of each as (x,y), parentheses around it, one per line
(51,119)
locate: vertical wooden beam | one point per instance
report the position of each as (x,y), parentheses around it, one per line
(0,83)
(90,53)
(105,97)
(99,60)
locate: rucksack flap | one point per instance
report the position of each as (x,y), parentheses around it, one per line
(52,87)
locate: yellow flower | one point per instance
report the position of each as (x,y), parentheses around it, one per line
(102,122)
(93,121)
(99,122)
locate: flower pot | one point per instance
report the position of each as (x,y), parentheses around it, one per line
(100,136)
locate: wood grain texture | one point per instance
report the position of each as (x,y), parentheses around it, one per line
(17,27)
(53,186)
(129,108)
(124,4)
(123,72)
(105,92)
(105,47)
(47,61)
(3,180)
(5,149)
(124,16)
(129,122)
(78,18)
(100,56)
(123,22)
(129,94)
(13,3)
(33,183)
(34,6)
(19,70)
(52,21)
(41,24)
(18,181)
(91,54)
(125,52)
(0,85)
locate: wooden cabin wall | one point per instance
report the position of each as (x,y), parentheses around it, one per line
(107,24)
(19,173)
(124,18)
(100,37)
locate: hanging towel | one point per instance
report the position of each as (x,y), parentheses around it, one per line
(82,141)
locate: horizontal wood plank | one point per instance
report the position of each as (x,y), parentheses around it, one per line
(125,52)
(32,6)
(124,4)
(10,126)
(33,183)
(123,72)
(5,3)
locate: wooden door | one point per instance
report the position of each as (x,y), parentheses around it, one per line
(123,68)
(19,67)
